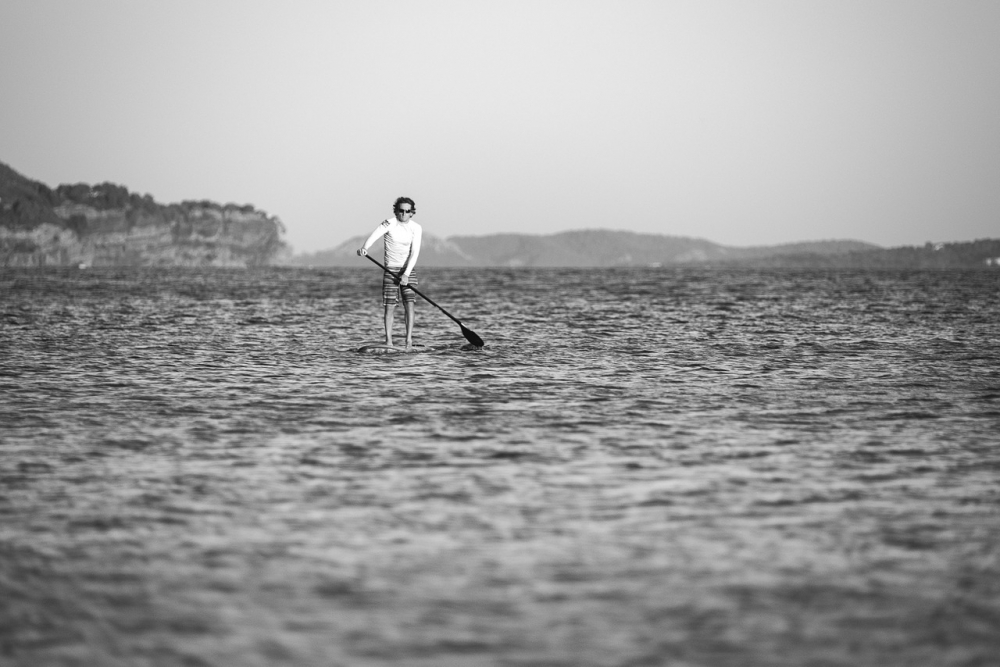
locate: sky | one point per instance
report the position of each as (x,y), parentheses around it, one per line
(741,122)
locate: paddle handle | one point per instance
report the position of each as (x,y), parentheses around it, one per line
(396,278)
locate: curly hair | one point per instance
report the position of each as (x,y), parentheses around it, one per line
(404,200)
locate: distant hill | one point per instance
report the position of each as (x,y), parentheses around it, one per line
(106,225)
(982,253)
(586,248)
(601,248)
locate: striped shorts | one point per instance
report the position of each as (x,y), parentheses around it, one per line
(390,290)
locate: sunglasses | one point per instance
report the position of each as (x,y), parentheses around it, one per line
(405,211)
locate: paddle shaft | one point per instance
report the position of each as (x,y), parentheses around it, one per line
(422,295)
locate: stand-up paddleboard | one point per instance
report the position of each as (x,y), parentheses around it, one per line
(382,348)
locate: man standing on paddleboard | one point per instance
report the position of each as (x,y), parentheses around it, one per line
(402,247)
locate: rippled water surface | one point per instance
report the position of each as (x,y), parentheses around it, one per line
(644,467)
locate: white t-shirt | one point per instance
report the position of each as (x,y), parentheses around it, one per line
(402,242)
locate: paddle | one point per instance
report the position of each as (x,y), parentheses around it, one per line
(469,334)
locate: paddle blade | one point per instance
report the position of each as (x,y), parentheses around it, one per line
(471,336)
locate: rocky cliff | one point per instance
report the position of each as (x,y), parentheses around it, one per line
(106,225)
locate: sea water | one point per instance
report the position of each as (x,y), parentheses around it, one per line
(643,467)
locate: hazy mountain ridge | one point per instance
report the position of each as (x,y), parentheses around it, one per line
(600,247)
(597,248)
(603,248)
(106,225)
(982,253)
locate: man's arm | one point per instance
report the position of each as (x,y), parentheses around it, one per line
(374,236)
(414,253)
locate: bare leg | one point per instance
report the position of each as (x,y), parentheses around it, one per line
(408,313)
(389,312)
